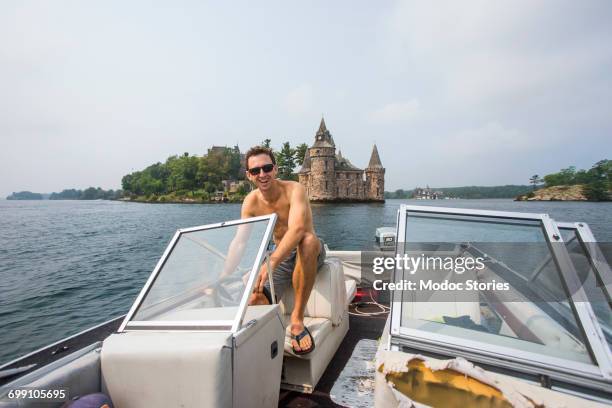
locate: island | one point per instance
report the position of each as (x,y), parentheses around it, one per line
(25,195)
(218,176)
(570,184)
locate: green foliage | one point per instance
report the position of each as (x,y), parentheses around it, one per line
(242,190)
(90,193)
(565,177)
(25,195)
(182,174)
(285,161)
(597,180)
(300,152)
(187,177)
(535,180)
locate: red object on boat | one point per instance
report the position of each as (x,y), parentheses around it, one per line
(365,295)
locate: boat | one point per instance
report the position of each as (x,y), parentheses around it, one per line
(191,339)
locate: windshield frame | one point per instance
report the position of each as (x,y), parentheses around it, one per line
(597,375)
(596,257)
(214,325)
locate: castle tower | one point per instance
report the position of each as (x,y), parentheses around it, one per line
(304,173)
(322,156)
(375,178)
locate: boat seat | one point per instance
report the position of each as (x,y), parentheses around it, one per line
(326,316)
(328,296)
(351,290)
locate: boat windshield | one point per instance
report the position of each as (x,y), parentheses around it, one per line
(203,280)
(510,251)
(497,286)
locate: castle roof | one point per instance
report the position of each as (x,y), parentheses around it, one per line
(322,127)
(343,164)
(375,160)
(306,163)
(323,138)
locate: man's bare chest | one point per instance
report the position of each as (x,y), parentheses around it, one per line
(281,208)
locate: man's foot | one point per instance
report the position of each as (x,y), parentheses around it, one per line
(302,341)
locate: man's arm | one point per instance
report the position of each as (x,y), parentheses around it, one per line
(238,244)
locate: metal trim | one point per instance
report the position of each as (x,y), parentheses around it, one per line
(586,318)
(152,277)
(479,213)
(220,325)
(255,270)
(598,261)
(397,301)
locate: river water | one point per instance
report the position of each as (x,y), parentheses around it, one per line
(67,265)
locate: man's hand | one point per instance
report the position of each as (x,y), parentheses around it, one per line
(261,278)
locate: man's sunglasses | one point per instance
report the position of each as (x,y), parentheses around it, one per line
(266,168)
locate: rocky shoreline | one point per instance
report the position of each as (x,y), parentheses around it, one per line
(556,193)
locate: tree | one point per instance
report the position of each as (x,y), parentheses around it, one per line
(266,143)
(600,184)
(534,180)
(300,153)
(285,161)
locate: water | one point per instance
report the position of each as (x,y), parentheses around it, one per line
(67,265)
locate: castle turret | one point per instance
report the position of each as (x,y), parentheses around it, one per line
(375,178)
(304,173)
(322,156)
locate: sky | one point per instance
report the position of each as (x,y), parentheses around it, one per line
(452,93)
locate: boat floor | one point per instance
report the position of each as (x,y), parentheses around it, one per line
(361,327)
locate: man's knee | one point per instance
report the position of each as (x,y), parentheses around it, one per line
(309,246)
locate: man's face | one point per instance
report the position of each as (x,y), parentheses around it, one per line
(262,180)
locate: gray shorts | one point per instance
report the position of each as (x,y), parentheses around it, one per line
(283,274)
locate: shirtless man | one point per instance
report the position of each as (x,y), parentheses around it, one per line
(298,254)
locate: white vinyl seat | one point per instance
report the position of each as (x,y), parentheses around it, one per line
(326,317)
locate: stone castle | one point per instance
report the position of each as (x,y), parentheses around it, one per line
(328,176)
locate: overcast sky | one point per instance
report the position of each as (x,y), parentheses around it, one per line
(465,93)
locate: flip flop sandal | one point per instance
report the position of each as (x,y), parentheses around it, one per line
(299,337)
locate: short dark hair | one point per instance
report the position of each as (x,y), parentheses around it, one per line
(256,150)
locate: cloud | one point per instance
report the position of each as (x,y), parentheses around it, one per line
(396,112)
(299,101)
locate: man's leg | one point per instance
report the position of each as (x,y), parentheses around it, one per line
(303,280)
